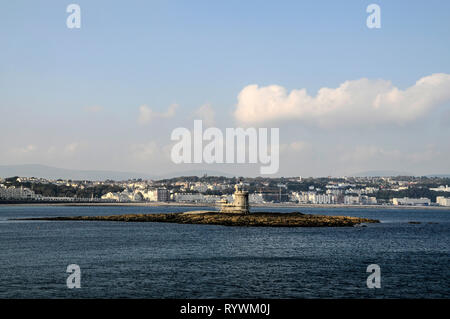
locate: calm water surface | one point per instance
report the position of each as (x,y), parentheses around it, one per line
(158,260)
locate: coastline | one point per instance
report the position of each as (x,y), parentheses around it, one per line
(175,204)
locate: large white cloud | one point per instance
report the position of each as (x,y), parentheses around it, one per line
(359,102)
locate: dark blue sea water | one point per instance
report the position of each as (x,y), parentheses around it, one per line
(158,260)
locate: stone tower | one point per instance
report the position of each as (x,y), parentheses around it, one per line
(240,204)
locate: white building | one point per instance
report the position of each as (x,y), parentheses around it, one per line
(188,197)
(360,200)
(59,199)
(256,198)
(138,195)
(199,187)
(441,189)
(368,200)
(156,195)
(361,191)
(352,200)
(313,198)
(335,191)
(411,201)
(322,199)
(443,201)
(124,196)
(199,198)
(13,193)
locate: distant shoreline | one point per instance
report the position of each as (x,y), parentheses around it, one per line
(175,204)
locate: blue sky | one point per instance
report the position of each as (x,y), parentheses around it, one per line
(192,53)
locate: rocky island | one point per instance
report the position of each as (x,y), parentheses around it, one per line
(294,219)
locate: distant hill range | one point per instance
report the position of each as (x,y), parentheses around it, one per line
(395,173)
(384,173)
(48,172)
(439,175)
(198,173)
(42,171)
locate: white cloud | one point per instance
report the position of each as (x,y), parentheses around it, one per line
(359,102)
(206,114)
(146,114)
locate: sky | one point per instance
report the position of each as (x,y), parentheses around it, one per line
(107,96)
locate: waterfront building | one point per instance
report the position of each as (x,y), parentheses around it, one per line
(368,200)
(352,200)
(16,193)
(411,201)
(156,195)
(256,198)
(162,195)
(313,198)
(124,196)
(443,201)
(188,197)
(197,198)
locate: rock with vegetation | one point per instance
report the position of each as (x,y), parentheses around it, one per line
(259,219)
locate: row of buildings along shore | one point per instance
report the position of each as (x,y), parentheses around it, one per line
(353,192)
(25,194)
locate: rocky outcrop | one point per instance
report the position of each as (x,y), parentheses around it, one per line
(294,219)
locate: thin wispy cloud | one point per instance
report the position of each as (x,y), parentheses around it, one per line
(147,115)
(206,114)
(94,109)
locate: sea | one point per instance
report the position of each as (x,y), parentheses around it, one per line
(411,247)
